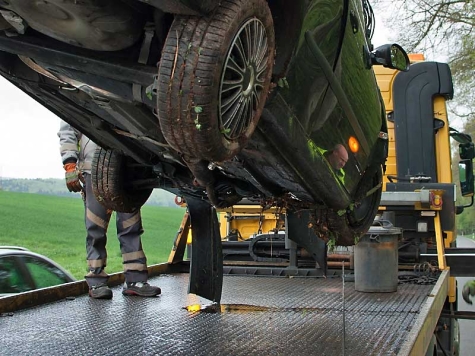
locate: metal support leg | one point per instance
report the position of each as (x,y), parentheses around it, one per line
(206,269)
(292,247)
(298,231)
(440,242)
(179,245)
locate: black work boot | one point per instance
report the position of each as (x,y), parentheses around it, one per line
(140,289)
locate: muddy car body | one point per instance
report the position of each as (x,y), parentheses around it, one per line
(213,100)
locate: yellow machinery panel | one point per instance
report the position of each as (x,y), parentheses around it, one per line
(385,78)
(241,222)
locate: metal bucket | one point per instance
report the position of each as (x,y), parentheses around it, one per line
(376,260)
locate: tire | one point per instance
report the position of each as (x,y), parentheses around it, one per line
(110,173)
(349,227)
(362,216)
(209,103)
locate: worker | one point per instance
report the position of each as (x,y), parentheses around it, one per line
(337,157)
(468,291)
(77,152)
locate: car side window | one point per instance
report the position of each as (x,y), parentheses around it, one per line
(11,278)
(44,274)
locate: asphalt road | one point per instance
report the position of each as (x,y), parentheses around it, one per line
(467,327)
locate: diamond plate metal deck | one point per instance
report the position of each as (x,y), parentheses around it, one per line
(304,317)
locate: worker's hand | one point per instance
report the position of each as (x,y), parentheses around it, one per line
(468,291)
(72,177)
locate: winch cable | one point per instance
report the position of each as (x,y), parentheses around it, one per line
(343,303)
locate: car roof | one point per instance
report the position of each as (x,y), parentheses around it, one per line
(10,248)
(22,251)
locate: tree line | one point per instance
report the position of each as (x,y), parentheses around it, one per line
(52,186)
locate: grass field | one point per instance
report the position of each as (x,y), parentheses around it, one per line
(54,226)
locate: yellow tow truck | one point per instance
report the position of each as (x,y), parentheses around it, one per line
(284,291)
(419,198)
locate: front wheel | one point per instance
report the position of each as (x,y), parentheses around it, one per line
(361,217)
(112,178)
(349,226)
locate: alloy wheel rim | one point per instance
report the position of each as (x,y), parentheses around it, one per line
(243,79)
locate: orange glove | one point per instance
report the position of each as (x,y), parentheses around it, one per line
(72,177)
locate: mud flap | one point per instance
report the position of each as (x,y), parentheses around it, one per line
(206,269)
(298,230)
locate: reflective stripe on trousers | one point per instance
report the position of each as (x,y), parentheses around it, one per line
(129,231)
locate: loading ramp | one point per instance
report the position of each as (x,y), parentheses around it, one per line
(261,315)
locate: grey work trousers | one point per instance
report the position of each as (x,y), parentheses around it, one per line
(129,231)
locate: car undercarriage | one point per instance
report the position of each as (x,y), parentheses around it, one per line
(215,101)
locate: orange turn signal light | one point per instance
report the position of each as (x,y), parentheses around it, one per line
(416,57)
(353,144)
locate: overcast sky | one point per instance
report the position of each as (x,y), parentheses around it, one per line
(29,145)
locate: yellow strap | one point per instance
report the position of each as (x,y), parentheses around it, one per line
(96,263)
(96,219)
(135,267)
(130,256)
(131,221)
(68,147)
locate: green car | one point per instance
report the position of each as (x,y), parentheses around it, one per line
(273,101)
(22,270)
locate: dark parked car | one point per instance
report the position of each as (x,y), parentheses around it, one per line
(22,270)
(270,100)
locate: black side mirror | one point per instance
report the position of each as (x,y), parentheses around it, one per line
(391,56)
(460,137)
(467,150)
(466,177)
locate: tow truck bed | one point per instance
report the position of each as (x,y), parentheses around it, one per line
(261,316)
